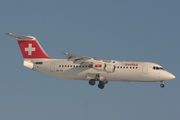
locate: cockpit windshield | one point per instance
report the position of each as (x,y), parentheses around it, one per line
(157,68)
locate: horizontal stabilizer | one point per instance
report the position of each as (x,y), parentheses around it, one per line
(19,36)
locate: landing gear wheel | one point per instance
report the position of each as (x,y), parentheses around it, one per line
(100,86)
(92,82)
(162,85)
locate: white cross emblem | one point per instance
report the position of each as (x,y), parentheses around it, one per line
(30,49)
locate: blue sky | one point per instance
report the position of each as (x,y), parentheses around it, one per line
(121,30)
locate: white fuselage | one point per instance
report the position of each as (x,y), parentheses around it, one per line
(122,71)
(77,67)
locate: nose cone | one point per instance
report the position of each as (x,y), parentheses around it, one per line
(171,76)
(165,75)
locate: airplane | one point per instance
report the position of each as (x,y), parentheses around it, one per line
(77,67)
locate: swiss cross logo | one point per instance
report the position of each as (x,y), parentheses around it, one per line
(30,49)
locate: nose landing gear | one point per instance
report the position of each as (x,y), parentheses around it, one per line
(162,84)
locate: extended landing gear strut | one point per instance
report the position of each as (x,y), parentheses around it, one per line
(162,84)
(101,83)
(93,81)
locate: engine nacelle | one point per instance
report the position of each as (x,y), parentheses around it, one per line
(109,68)
(98,66)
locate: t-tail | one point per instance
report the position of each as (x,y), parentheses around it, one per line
(30,49)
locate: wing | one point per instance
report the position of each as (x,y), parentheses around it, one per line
(83,59)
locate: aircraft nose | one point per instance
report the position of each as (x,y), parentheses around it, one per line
(171,76)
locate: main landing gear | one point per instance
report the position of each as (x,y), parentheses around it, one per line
(101,83)
(92,82)
(162,84)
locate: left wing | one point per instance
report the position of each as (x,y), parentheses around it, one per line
(83,59)
(96,63)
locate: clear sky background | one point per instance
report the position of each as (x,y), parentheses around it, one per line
(122,30)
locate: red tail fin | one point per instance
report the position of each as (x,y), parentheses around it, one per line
(30,47)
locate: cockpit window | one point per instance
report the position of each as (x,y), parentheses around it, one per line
(157,68)
(161,68)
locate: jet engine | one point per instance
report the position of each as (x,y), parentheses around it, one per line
(98,66)
(109,68)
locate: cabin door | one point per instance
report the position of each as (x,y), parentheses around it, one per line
(145,69)
(52,67)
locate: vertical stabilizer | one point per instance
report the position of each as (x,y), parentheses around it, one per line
(30,47)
